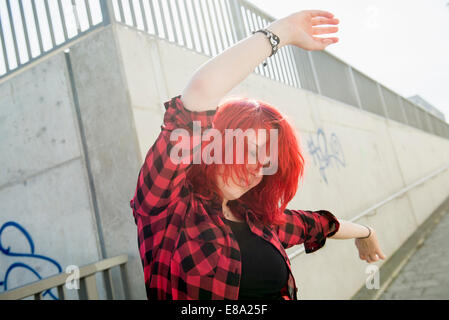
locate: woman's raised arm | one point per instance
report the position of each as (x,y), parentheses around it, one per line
(215,78)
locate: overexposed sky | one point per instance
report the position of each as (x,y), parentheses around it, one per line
(403,44)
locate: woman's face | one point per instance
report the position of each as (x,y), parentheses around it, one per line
(232,191)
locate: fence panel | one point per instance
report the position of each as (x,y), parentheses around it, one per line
(425,124)
(334,79)
(30,29)
(394,106)
(369,94)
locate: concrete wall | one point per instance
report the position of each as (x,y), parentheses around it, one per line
(355,159)
(111,145)
(74,131)
(43,181)
(68,152)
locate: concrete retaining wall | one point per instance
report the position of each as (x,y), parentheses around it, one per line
(355,159)
(75,129)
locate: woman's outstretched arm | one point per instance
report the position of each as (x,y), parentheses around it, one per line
(349,230)
(369,248)
(215,78)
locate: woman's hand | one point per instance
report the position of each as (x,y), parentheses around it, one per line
(303,26)
(369,249)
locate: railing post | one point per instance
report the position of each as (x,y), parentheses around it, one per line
(382,99)
(402,106)
(354,87)
(124,277)
(315,75)
(107,11)
(109,285)
(61,294)
(88,288)
(237,19)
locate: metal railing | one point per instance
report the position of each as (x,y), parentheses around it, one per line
(31,29)
(211,26)
(208,27)
(88,287)
(373,209)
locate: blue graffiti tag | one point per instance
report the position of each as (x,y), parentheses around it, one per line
(322,156)
(31,254)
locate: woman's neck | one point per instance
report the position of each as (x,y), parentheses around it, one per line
(228,213)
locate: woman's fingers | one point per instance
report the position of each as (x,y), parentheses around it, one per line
(325,41)
(324,30)
(373,257)
(320,20)
(320,13)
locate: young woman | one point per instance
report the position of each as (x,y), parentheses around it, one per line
(219,230)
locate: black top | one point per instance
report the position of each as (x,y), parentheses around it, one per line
(264,271)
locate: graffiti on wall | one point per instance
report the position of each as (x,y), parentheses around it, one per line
(325,153)
(31,254)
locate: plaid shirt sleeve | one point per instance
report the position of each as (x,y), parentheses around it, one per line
(308,227)
(161,180)
(161,197)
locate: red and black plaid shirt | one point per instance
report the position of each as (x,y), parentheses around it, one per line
(187,251)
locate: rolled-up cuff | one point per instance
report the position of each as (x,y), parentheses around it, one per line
(177,116)
(329,226)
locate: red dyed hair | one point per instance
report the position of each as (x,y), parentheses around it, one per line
(270,197)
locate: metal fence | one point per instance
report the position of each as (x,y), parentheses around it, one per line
(30,29)
(205,26)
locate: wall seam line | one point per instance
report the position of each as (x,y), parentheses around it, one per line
(86,155)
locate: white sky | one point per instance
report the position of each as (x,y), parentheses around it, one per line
(403,44)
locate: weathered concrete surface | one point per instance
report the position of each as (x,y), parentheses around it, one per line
(425,275)
(354,158)
(43,186)
(71,155)
(111,146)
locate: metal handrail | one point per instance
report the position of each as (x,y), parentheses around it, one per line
(87,281)
(383,202)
